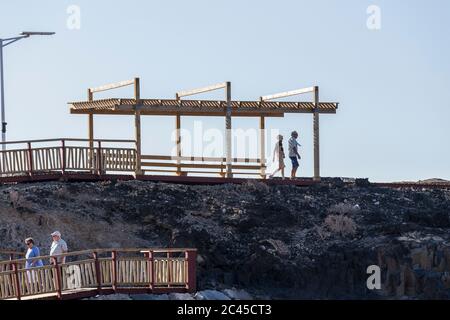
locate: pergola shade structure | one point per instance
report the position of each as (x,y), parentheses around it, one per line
(228,108)
(198,107)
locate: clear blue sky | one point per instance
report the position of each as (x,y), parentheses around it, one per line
(392,84)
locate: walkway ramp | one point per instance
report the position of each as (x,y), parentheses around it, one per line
(100,272)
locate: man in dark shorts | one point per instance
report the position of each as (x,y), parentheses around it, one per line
(293,153)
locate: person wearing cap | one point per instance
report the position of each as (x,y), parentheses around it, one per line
(59,246)
(293,153)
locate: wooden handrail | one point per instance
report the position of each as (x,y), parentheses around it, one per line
(67,139)
(91,251)
(28,160)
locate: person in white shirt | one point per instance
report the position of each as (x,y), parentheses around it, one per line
(293,153)
(59,246)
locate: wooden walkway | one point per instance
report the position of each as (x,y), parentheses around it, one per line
(74,160)
(99,272)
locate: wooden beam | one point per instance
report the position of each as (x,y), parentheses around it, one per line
(186,93)
(154,111)
(111,86)
(198,165)
(229,173)
(287,94)
(169,111)
(262,146)
(316,135)
(203,159)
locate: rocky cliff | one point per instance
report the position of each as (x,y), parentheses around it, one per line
(277,241)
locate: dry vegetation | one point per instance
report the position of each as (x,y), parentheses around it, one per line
(340,224)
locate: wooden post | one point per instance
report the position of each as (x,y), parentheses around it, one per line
(316,135)
(91,132)
(100,159)
(137,90)
(178,142)
(228,130)
(191,258)
(137,125)
(221,173)
(150,272)
(58,284)
(262,146)
(98,274)
(114,270)
(16,280)
(30,160)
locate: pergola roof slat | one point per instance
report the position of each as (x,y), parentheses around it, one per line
(203,107)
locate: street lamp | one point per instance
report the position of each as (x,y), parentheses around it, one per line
(4,43)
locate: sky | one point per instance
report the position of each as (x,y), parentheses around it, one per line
(392,83)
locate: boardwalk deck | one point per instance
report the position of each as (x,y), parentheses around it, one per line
(101,271)
(72,160)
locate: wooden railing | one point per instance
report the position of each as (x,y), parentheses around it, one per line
(202,165)
(101,271)
(29,159)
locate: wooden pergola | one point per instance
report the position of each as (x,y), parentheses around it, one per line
(262,108)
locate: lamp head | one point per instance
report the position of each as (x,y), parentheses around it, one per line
(32,33)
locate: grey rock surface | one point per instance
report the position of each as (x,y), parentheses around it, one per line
(278,241)
(211,295)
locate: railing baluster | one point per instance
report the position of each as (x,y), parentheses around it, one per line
(99,162)
(169,271)
(114,270)
(16,280)
(63,158)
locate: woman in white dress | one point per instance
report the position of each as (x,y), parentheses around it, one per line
(278,157)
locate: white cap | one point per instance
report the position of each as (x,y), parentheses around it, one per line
(56,233)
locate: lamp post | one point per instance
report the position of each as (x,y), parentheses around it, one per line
(4,43)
